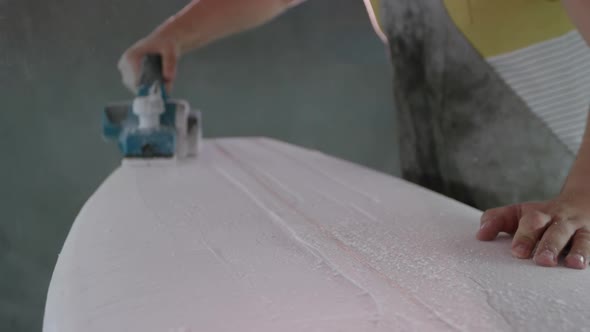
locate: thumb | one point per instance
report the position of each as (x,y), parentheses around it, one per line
(503,219)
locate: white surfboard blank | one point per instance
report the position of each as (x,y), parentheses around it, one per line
(259,235)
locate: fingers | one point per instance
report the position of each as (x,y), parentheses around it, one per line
(169,58)
(554,240)
(541,230)
(531,227)
(494,221)
(580,251)
(130,63)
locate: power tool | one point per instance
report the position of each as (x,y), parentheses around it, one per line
(153,126)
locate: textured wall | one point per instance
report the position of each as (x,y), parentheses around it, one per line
(317,77)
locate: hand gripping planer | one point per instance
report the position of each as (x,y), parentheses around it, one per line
(153,127)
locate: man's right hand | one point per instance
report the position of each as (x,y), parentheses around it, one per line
(156,43)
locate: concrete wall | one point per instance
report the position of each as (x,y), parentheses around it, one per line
(317,77)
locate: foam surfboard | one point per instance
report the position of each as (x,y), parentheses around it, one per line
(260,235)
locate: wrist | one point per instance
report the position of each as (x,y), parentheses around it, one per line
(577,184)
(578,178)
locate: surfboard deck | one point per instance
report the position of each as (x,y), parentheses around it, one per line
(259,235)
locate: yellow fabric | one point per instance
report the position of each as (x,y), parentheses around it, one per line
(499,26)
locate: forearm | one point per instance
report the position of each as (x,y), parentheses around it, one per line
(205,21)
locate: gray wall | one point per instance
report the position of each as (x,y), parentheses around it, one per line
(316,77)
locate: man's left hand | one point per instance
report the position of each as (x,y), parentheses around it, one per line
(544,230)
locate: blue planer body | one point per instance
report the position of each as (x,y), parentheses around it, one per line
(172,131)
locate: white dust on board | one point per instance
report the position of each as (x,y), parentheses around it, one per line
(321,261)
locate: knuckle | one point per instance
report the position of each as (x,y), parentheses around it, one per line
(581,247)
(559,218)
(582,236)
(524,238)
(534,220)
(130,53)
(169,46)
(555,238)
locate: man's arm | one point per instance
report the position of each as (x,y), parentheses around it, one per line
(579,177)
(199,23)
(204,21)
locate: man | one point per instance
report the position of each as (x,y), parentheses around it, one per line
(492,97)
